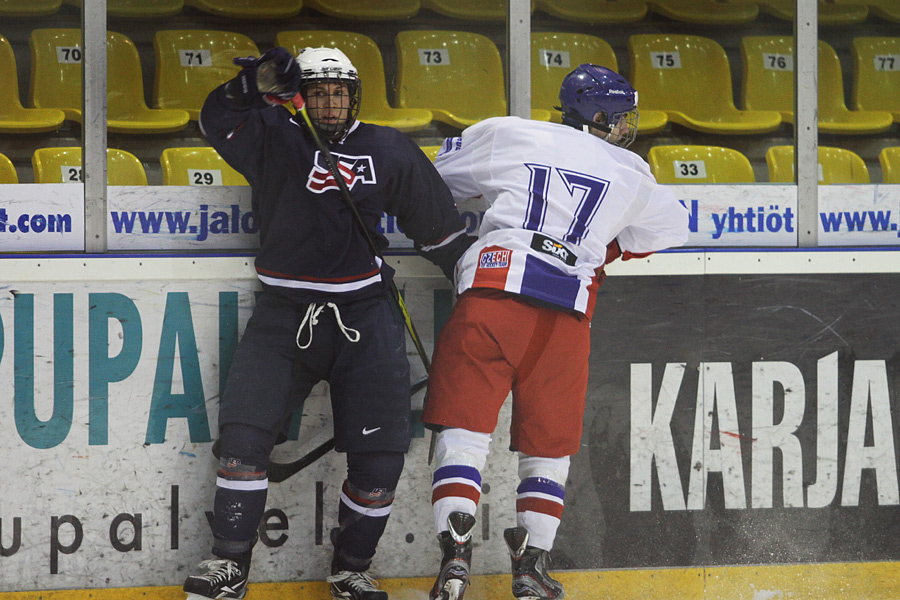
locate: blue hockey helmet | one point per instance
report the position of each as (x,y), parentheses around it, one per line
(592,89)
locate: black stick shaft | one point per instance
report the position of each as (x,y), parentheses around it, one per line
(300,105)
(278,472)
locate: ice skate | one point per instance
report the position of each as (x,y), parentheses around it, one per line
(353,585)
(530,580)
(456,546)
(224,578)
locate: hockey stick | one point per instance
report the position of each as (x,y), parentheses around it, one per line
(300,105)
(264,71)
(278,472)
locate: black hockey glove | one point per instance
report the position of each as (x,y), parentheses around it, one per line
(275,76)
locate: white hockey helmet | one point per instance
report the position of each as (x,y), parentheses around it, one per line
(326,63)
(331,65)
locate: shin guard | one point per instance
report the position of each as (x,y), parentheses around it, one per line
(241,489)
(367,497)
(540,497)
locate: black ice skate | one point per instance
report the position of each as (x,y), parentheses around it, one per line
(224,578)
(353,585)
(456,546)
(530,580)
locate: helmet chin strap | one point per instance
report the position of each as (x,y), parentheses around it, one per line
(586,124)
(587,129)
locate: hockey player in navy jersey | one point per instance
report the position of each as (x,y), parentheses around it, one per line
(563,200)
(325,312)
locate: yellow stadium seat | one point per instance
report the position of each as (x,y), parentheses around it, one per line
(431,151)
(830,13)
(364,54)
(876,74)
(890,164)
(706,12)
(836,165)
(470,10)
(248,9)
(29,8)
(431,66)
(63,165)
(889,10)
(144,9)
(610,12)
(190,63)
(768,81)
(366,10)
(14,118)
(554,55)
(201,166)
(699,164)
(689,77)
(56,82)
(8,171)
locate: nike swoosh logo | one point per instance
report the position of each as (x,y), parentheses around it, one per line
(367,431)
(235,589)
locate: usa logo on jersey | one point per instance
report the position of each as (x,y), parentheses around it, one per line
(353,169)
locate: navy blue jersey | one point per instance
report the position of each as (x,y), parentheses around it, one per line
(311,247)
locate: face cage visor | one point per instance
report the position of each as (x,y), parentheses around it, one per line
(624,131)
(336,130)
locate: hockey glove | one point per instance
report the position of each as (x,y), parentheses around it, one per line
(275,76)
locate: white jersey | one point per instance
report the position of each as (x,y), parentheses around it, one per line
(556,198)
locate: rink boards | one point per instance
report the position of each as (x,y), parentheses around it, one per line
(847,581)
(740,435)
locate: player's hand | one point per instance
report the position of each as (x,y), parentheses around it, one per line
(275,75)
(278,74)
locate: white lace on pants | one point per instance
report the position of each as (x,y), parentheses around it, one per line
(311,318)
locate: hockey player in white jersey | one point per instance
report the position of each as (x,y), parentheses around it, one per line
(563,201)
